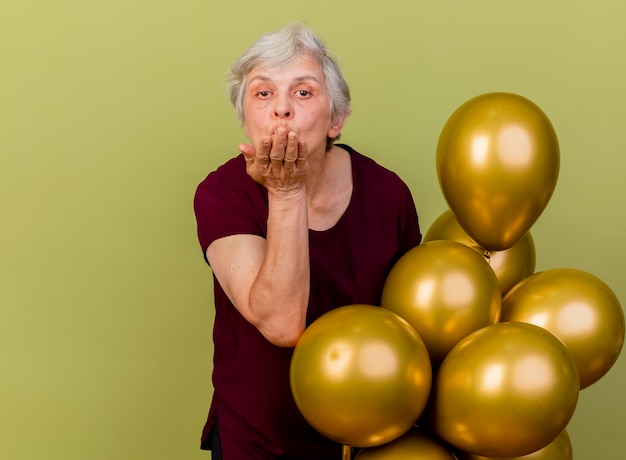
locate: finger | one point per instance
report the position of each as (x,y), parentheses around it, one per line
(302,151)
(263,153)
(279,143)
(291,151)
(248,151)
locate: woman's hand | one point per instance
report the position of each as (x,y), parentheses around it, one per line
(279,163)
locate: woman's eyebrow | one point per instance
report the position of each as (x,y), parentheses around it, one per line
(259,77)
(298,79)
(307,78)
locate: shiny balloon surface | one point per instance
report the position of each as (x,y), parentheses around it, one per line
(447,227)
(360,375)
(559,449)
(497,163)
(510,265)
(446,291)
(579,309)
(413,445)
(506,390)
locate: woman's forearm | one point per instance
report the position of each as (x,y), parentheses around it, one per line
(280,293)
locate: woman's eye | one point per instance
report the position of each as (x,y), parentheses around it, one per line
(303,93)
(263,93)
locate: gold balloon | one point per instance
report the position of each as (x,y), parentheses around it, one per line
(497,164)
(413,445)
(579,309)
(559,449)
(510,265)
(447,227)
(360,375)
(506,390)
(446,291)
(514,264)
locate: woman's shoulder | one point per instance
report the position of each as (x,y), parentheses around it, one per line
(367,169)
(231,169)
(230,182)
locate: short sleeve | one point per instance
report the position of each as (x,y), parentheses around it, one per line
(409,222)
(228,202)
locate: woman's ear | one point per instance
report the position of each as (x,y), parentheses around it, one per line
(335,128)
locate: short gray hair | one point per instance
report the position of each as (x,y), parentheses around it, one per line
(277,50)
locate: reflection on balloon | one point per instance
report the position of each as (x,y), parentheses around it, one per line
(510,265)
(514,264)
(360,375)
(447,227)
(506,390)
(413,445)
(497,164)
(445,290)
(559,449)
(579,309)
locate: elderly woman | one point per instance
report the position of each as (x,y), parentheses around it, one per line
(294,226)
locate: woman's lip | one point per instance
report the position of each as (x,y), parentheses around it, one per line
(287,128)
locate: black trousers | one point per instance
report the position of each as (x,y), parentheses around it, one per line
(216,445)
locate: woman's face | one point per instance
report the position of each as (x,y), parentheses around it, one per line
(295,97)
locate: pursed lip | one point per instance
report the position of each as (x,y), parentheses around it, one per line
(283,125)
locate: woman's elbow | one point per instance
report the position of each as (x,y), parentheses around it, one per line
(285,337)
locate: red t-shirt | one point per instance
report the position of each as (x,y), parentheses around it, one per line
(252,399)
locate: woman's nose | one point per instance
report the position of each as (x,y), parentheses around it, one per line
(283,108)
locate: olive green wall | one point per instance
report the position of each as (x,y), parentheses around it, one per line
(112,111)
